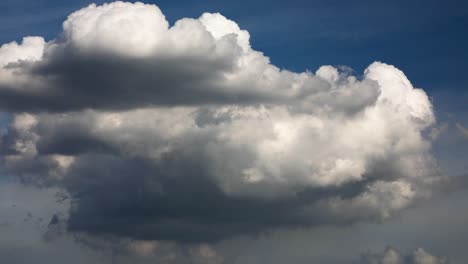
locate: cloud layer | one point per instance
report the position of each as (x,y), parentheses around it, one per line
(186,133)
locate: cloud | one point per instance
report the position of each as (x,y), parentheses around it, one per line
(106,51)
(185,133)
(393,256)
(437,131)
(462,129)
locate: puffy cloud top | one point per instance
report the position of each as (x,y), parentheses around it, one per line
(30,50)
(187,133)
(123,28)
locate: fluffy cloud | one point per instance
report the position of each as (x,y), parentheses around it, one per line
(107,51)
(393,256)
(186,133)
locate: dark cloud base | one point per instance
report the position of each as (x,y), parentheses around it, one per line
(174,200)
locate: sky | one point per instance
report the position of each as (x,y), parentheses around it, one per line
(233,132)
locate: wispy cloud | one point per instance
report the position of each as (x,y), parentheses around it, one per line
(462,129)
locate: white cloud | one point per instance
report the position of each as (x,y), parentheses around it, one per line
(124,28)
(31,49)
(195,98)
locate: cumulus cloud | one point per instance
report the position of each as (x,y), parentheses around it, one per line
(186,133)
(107,51)
(393,256)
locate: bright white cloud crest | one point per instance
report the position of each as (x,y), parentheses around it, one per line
(124,84)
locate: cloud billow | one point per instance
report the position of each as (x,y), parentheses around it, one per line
(185,133)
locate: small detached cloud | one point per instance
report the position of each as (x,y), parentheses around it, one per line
(393,256)
(186,133)
(436,131)
(462,129)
